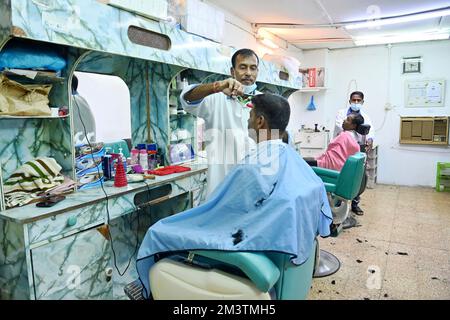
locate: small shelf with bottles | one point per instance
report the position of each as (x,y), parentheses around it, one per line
(313,79)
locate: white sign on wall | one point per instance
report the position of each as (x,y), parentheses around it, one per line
(425,93)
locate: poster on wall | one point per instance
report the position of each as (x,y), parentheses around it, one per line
(425,93)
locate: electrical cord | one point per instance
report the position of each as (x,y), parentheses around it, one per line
(107,204)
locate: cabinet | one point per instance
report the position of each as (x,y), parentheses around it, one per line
(61,272)
(62,252)
(424,130)
(311,144)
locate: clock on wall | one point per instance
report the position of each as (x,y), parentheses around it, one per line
(412,64)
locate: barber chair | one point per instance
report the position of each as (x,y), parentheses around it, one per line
(341,186)
(221,275)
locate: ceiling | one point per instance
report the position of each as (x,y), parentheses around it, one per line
(329,12)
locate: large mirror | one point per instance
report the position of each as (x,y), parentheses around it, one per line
(104,102)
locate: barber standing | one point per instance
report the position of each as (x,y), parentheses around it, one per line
(223,106)
(355,106)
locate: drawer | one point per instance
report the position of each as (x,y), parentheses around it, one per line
(312,139)
(68,222)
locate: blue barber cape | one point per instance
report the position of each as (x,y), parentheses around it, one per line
(274,198)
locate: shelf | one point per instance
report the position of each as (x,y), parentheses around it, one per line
(32,117)
(312,89)
(32,76)
(430,143)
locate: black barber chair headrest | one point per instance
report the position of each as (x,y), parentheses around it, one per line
(363,129)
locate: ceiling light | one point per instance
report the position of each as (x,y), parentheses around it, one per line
(410,37)
(268,43)
(399,19)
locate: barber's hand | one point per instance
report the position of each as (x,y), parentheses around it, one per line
(231,87)
(369,144)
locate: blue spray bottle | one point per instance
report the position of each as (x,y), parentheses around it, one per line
(311,106)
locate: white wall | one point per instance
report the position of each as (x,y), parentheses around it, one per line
(109,99)
(378,74)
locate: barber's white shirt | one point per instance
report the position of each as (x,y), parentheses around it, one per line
(343,114)
(226,132)
(81,109)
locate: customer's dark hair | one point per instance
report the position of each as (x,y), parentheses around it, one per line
(245,53)
(274,108)
(359,93)
(357,119)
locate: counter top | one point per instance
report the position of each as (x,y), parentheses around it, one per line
(83,198)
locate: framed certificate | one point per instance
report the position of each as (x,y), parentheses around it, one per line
(412,65)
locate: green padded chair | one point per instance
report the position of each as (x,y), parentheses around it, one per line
(242,275)
(342,186)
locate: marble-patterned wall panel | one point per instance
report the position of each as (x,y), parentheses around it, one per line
(61,144)
(199,189)
(62,272)
(13,264)
(59,226)
(82,24)
(5,20)
(119,206)
(160,77)
(127,234)
(22,140)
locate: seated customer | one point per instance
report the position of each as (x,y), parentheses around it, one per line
(272,201)
(341,147)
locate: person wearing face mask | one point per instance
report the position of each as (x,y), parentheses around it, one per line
(355,106)
(224,107)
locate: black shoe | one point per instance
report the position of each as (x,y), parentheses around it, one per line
(348,223)
(358,211)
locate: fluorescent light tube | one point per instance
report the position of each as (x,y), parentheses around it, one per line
(401,19)
(365,41)
(268,43)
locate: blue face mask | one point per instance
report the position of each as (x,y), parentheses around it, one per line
(356,107)
(249,89)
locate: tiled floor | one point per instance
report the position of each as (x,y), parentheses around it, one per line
(400,251)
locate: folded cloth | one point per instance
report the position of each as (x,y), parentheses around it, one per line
(31,179)
(67,186)
(169,170)
(19,198)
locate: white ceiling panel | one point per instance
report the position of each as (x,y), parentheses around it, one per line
(324,12)
(274,11)
(309,33)
(351,10)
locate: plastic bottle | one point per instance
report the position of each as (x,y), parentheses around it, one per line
(184,84)
(123,159)
(143,159)
(134,156)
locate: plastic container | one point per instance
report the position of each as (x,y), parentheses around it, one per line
(443,177)
(134,156)
(143,159)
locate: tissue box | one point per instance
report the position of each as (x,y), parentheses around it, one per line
(154,9)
